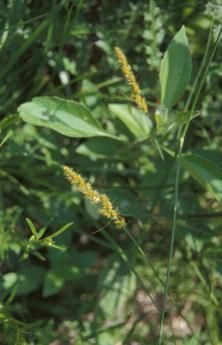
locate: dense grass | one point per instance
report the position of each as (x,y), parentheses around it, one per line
(83,281)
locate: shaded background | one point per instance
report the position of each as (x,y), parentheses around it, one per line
(90,294)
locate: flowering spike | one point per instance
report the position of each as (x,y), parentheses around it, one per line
(106,208)
(131,79)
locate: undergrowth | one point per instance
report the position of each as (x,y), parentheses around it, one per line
(125,99)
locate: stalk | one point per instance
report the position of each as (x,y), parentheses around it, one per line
(207,59)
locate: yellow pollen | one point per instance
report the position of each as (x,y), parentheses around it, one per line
(106,208)
(131,79)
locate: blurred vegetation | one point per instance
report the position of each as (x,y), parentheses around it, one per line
(75,286)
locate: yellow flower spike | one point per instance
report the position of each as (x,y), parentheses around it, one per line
(131,79)
(106,208)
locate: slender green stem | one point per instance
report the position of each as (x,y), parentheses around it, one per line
(202,81)
(207,60)
(176,193)
(200,71)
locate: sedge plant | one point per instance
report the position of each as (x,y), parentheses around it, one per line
(74,119)
(189,109)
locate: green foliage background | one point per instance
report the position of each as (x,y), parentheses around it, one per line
(100,289)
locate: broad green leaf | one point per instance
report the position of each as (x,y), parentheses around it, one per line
(138,123)
(85,259)
(64,116)
(26,280)
(117,286)
(9,280)
(206,172)
(71,265)
(99,148)
(210,152)
(29,278)
(53,283)
(175,69)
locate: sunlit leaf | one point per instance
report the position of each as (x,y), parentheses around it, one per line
(136,121)
(64,116)
(206,172)
(175,69)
